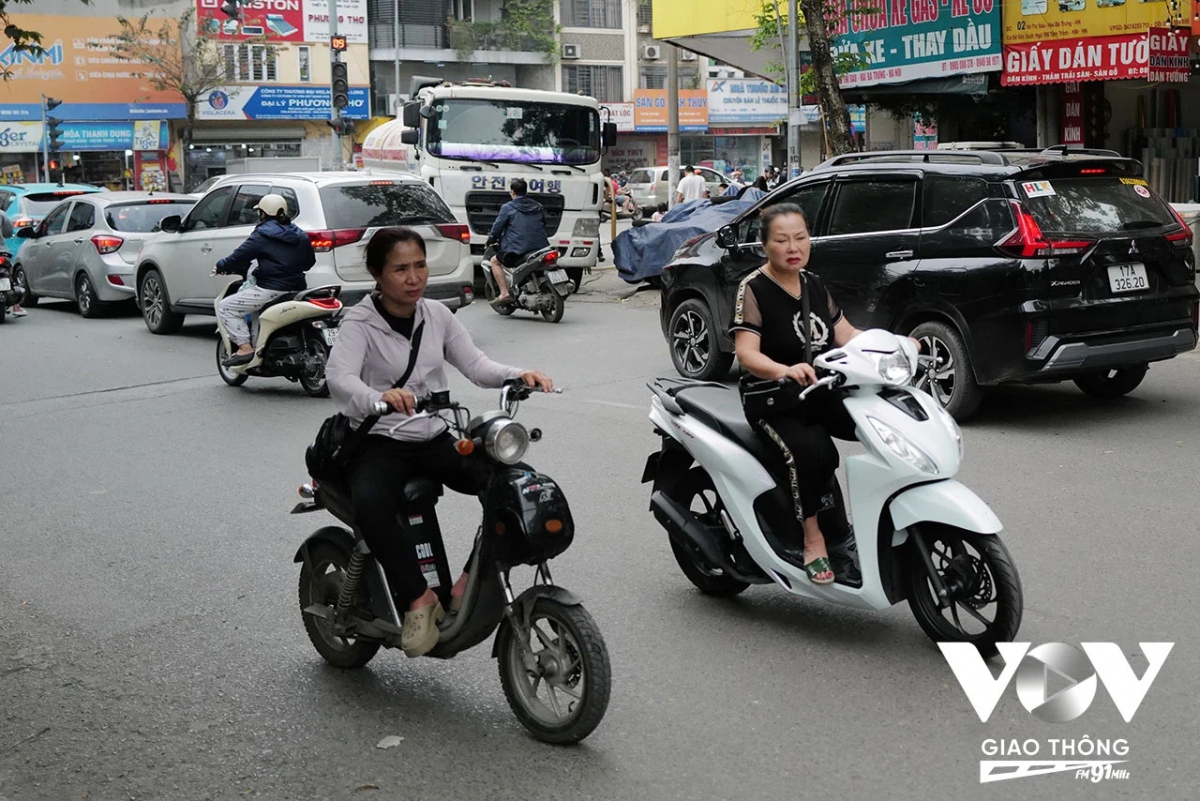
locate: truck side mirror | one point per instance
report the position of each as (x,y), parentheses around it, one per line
(410,136)
(411,114)
(610,134)
(727,237)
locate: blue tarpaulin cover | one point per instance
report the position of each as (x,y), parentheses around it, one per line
(641,253)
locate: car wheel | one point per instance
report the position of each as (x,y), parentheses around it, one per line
(951,381)
(156,306)
(695,349)
(1113,383)
(85,297)
(20,279)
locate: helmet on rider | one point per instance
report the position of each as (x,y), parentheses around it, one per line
(272,207)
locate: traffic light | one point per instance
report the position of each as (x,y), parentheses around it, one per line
(54,134)
(342,126)
(339,84)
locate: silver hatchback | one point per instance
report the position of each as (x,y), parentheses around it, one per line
(86,247)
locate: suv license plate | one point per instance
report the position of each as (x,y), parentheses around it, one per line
(1128,278)
(330,335)
(557,276)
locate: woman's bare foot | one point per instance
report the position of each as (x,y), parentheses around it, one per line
(428,598)
(816,555)
(457,591)
(244,349)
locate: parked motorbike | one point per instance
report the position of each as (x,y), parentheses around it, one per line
(537,284)
(627,209)
(291,335)
(925,537)
(553,663)
(10,293)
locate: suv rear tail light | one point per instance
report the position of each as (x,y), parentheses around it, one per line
(1028,241)
(325,241)
(455,231)
(1180,239)
(106,244)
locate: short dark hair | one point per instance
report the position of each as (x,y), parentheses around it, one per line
(689,168)
(519,187)
(769,214)
(384,240)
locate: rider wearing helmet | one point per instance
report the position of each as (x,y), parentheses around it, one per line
(283,252)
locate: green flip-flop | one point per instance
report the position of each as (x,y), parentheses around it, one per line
(819,567)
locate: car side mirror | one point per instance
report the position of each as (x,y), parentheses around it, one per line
(727,237)
(610,134)
(172,223)
(411,114)
(410,137)
(28,232)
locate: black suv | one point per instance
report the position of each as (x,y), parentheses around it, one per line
(1016,265)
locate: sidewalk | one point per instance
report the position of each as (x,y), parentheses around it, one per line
(604,285)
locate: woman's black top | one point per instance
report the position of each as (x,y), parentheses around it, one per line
(401,325)
(767,309)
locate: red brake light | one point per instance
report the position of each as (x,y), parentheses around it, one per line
(1094,171)
(326,303)
(382,183)
(24,222)
(325,241)
(1182,238)
(159,200)
(551,257)
(107,244)
(67,192)
(1028,241)
(455,231)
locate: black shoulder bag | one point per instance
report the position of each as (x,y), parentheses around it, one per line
(767,397)
(337,440)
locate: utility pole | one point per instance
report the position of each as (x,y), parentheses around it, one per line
(396,51)
(672,122)
(792,58)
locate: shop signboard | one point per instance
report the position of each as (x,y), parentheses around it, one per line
(1029,21)
(77,66)
(285,20)
(745,102)
(650,110)
(1072,114)
(620,113)
(905,40)
(280,103)
(1169,55)
(858,116)
(26,137)
(1108,58)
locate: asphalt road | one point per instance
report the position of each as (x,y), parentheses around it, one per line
(153,648)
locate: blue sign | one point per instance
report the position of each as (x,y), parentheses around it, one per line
(104,136)
(96,111)
(283,103)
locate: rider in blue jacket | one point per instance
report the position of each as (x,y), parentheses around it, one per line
(520,229)
(283,252)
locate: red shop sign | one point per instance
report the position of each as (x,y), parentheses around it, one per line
(1105,58)
(1169,55)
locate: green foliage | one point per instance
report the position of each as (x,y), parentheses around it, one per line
(23,40)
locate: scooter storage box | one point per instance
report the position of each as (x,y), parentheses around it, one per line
(530,519)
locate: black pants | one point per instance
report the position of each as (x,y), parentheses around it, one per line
(804,442)
(376,479)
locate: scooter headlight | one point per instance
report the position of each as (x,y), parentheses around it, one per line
(952,426)
(506,441)
(895,369)
(902,447)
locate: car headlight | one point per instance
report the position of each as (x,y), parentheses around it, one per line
(895,369)
(902,447)
(952,426)
(506,441)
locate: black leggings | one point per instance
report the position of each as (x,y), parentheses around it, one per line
(804,441)
(376,478)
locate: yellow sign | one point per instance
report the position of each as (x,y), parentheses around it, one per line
(1048,20)
(677,18)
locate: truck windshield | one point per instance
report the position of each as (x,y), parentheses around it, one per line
(499,130)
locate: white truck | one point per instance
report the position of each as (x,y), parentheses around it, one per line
(469,141)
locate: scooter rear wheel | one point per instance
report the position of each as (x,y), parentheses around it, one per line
(228,376)
(313,378)
(984,590)
(696,493)
(321,587)
(560,305)
(560,691)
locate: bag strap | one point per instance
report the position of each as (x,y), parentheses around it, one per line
(805,309)
(369,422)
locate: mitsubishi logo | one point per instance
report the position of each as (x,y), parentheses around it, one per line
(1133,248)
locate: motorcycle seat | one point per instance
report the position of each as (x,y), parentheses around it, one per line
(284,298)
(720,408)
(419,491)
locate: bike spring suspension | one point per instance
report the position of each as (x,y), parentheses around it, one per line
(350,582)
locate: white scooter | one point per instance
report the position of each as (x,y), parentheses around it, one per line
(291,335)
(923,536)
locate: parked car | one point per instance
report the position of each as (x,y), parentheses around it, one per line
(85,248)
(1008,266)
(648,186)
(26,204)
(339,210)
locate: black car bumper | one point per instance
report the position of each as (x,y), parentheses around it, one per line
(1068,357)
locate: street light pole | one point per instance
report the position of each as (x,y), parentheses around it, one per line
(672,122)
(45,145)
(792,58)
(335,114)
(396,52)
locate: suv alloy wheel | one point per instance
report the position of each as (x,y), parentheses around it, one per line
(695,350)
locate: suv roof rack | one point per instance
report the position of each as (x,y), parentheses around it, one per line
(1067,150)
(982,156)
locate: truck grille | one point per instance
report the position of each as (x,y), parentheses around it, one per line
(484,207)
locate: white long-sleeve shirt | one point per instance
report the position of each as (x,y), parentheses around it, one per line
(369,357)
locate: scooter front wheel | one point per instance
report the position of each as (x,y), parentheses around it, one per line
(983,604)
(559,687)
(228,376)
